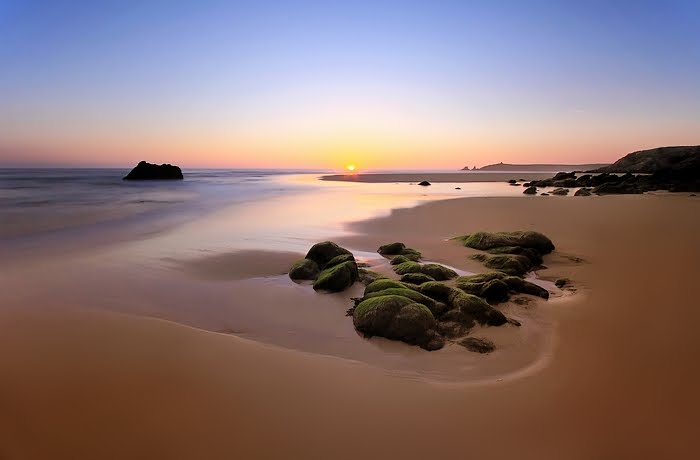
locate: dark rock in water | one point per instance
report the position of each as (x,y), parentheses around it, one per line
(337,278)
(512,181)
(150,171)
(322,253)
(425,183)
(617,189)
(391,249)
(512,264)
(561,282)
(564,176)
(583,192)
(560,191)
(416,278)
(544,194)
(399,249)
(515,184)
(458,188)
(398,318)
(525,239)
(477,345)
(304,269)
(476,307)
(530,191)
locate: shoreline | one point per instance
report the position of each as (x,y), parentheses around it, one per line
(118,376)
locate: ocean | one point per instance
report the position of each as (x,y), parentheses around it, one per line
(43,210)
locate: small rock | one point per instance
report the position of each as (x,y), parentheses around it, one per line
(530,191)
(561,282)
(544,194)
(560,191)
(477,345)
(583,192)
(425,183)
(458,188)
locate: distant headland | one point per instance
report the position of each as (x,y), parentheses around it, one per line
(536,167)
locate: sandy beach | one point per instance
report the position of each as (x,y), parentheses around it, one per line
(619,380)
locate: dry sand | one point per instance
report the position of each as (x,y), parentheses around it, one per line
(621,381)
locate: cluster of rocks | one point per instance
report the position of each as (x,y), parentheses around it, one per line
(676,169)
(513,253)
(431,304)
(331,267)
(150,171)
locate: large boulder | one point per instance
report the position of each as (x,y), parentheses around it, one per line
(477,308)
(397,318)
(324,252)
(474,283)
(531,190)
(150,171)
(304,269)
(436,308)
(399,250)
(525,239)
(338,277)
(532,254)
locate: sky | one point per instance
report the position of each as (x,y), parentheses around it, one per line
(318,84)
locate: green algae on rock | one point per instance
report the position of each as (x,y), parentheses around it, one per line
(305,269)
(477,344)
(337,278)
(397,318)
(416,278)
(435,307)
(382,284)
(508,263)
(436,271)
(367,277)
(526,239)
(399,249)
(324,252)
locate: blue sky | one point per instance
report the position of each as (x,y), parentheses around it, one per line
(317,84)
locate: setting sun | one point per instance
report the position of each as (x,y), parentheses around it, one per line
(350,168)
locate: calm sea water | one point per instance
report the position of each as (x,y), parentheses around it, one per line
(65,209)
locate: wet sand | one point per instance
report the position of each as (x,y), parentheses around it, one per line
(620,380)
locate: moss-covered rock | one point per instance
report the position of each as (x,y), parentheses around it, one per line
(391,249)
(525,287)
(436,290)
(382,284)
(508,263)
(367,277)
(322,253)
(337,278)
(476,307)
(339,260)
(416,278)
(495,291)
(411,254)
(437,272)
(399,249)
(407,267)
(398,318)
(532,254)
(477,345)
(397,260)
(435,307)
(304,269)
(525,239)
(480,278)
